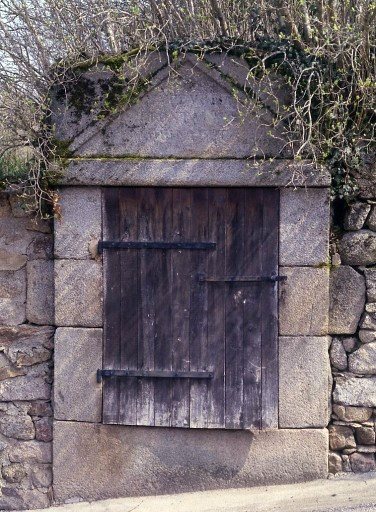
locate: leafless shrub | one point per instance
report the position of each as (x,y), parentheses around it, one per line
(325,49)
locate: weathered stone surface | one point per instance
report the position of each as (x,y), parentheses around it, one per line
(366,449)
(26,387)
(43,429)
(17,426)
(355,391)
(40,409)
(149,172)
(40,292)
(78,293)
(371,307)
(5,209)
(349,451)
(13,297)
(11,260)
(101,461)
(26,345)
(347,299)
(40,225)
(9,372)
(19,206)
(352,414)
(69,121)
(41,248)
(304,226)
(367,336)
(368,321)
(186,115)
(338,356)
(335,463)
(41,475)
(371,221)
(15,235)
(365,435)
(13,473)
(346,463)
(304,301)
(371,284)
(303,395)
(336,260)
(274,91)
(358,248)
(80,222)
(362,462)
(365,174)
(356,216)
(30,451)
(341,437)
(78,355)
(14,498)
(349,343)
(363,360)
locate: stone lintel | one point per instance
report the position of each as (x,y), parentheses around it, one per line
(93,462)
(195,172)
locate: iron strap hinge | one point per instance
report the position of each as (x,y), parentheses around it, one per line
(240,279)
(153,374)
(109,244)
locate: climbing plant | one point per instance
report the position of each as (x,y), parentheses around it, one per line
(325,52)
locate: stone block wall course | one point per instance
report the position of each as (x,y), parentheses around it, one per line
(78,356)
(78,293)
(304,393)
(26,348)
(353,358)
(79,225)
(304,227)
(304,301)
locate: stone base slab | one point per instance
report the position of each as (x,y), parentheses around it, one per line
(94,461)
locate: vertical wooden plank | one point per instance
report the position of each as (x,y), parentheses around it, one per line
(269,305)
(253,256)
(198,309)
(128,206)
(163,323)
(111,264)
(181,266)
(147,306)
(216,310)
(234,309)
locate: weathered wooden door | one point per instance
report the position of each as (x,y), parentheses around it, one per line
(190,323)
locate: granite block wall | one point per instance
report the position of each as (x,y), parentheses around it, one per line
(353,347)
(26,349)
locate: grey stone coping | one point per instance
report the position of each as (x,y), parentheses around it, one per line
(196,172)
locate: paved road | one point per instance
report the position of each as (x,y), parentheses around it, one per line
(349,493)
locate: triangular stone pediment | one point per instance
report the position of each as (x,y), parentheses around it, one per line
(189,111)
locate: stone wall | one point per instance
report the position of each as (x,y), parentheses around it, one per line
(353,347)
(26,345)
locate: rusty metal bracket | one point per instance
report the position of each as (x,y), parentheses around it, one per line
(153,374)
(109,244)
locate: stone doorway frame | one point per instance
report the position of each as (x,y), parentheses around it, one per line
(95,461)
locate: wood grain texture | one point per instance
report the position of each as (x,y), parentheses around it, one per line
(160,316)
